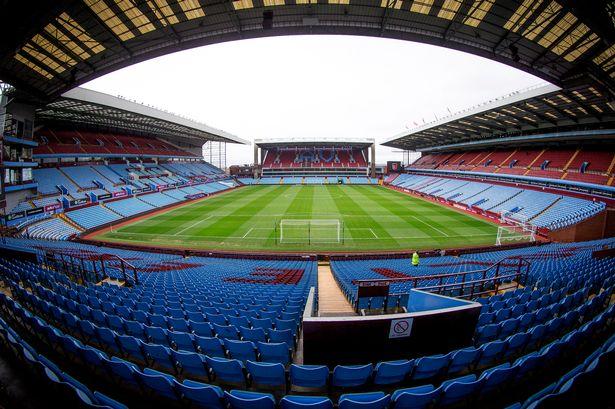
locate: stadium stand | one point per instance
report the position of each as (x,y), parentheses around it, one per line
(162,341)
(67,143)
(92,216)
(87,324)
(582,165)
(322,158)
(542,209)
(51,229)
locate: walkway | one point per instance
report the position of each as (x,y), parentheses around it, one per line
(331,300)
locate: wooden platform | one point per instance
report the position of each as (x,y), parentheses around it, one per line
(331,300)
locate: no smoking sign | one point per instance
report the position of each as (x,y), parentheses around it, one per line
(400,328)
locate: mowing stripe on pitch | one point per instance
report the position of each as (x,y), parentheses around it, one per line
(429,225)
(192,225)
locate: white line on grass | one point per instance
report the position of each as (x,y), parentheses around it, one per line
(162,236)
(192,225)
(373,233)
(248,232)
(429,225)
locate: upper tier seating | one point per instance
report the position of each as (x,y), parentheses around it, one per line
(83,176)
(82,143)
(320,158)
(582,165)
(49,178)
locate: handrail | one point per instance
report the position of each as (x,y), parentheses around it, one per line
(104,258)
(446,275)
(476,286)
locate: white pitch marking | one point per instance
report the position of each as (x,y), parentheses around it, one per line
(373,233)
(429,225)
(193,224)
(248,232)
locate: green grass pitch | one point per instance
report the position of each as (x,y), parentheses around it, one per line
(371,218)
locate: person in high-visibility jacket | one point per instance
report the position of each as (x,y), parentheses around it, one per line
(415,259)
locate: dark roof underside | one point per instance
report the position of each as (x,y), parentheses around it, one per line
(579,108)
(69,42)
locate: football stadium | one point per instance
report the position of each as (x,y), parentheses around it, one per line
(142,265)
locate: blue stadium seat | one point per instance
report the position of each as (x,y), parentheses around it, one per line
(390,372)
(210,346)
(227,370)
(305,402)
(418,397)
(349,376)
(241,350)
(253,334)
(309,376)
(158,383)
(366,400)
(122,372)
(200,394)
(429,367)
(267,374)
(238,399)
(462,360)
(458,390)
(494,378)
(190,365)
(276,352)
(106,401)
(158,356)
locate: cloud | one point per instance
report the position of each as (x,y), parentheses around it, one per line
(314,86)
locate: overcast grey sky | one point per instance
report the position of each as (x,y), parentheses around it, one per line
(314,86)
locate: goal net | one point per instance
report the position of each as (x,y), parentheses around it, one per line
(310,231)
(516,227)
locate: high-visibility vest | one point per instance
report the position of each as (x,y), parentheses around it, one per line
(415,259)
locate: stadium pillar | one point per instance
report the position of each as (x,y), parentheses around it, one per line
(256,163)
(372,170)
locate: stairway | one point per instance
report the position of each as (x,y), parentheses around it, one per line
(505,161)
(507,200)
(529,167)
(69,221)
(331,300)
(567,165)
(70,179)
(546,208)
(103,176)
(111,210)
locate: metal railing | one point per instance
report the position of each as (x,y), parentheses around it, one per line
(463,284)
(91,268)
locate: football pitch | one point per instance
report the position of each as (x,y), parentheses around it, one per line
(308,218)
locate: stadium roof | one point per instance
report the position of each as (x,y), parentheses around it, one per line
(82,107)
(57,45)
(540,110)
(318,142)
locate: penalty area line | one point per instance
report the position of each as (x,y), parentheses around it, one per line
(248,232)
(192,225)
(429,225)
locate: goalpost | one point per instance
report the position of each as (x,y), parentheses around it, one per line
(518,228)
(310,231)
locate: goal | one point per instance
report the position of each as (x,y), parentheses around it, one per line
(310,231)
(515,229)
